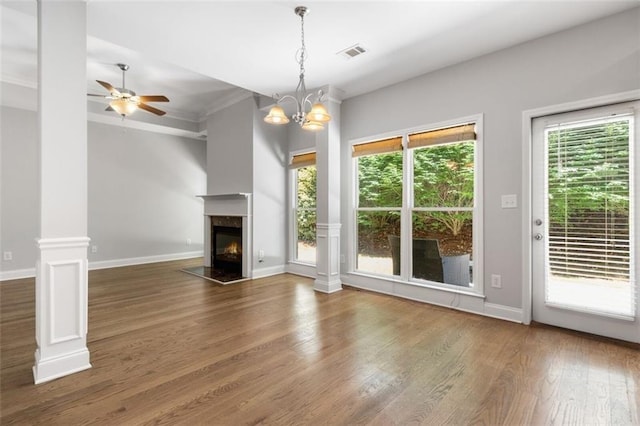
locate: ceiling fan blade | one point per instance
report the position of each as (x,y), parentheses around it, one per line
(109,87)
(151,109)
(153,98)
(92,94)
(109,108)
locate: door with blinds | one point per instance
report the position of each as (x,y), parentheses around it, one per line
(585,213)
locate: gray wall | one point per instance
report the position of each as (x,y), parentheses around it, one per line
(19,199)
(142,189)
(142,193)
(602,57)
(269,188)
(247,155)
(229,153)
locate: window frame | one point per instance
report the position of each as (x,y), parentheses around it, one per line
(408,208)
(293,207)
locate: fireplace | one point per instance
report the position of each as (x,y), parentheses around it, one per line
(226,249)
(227,238)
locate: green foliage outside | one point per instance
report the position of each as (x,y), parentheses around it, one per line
(588,171)
(307,178)
(380,185)
(443,177)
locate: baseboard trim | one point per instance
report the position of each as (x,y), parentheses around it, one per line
(502,312)
(17,274)
(117,263)
(104,264)
(302,270)
(268,272)
(460,301)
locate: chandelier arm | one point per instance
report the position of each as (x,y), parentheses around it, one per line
(307,100)
(286,98)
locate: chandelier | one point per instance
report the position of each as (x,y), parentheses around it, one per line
(317,115)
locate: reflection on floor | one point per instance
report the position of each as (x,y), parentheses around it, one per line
(215,275)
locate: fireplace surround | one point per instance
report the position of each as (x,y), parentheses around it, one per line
(229,212)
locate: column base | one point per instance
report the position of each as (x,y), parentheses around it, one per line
(45,370)
(328,258)
(327,287)
(61,308)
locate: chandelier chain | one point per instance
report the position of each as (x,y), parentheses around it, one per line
(303,54)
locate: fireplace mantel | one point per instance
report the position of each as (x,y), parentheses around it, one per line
(223,196)
(232,204)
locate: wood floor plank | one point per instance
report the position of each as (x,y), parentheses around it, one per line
(172,348)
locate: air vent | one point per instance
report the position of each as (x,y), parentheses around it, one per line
(352,52)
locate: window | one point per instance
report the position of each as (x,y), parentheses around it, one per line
(304,207)
(379,204)
(415,208)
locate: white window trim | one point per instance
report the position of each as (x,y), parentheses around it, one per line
(407,209)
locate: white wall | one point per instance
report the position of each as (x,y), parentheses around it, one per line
(594,59)
(141,202)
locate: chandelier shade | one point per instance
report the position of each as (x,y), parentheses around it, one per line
(276,116)
(311,114)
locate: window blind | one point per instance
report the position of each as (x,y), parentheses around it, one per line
(378,147)
(303,160)
(464,132)
(589,211)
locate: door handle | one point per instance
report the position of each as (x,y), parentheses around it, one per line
(538,236)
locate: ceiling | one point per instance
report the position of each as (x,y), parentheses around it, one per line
(205,54)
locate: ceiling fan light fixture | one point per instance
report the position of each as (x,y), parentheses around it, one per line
(276,116)
(123,106)
(125,101)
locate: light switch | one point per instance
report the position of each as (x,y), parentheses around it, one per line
(509,201)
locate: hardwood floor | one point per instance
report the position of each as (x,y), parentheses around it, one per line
(171,348)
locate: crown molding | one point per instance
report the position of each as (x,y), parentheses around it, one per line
(17,81)
(226,101)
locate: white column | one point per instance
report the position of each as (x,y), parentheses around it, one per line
(61,269)
(328,203)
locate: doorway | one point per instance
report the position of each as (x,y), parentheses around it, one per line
(584,251)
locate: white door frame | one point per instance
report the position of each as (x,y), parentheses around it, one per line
(527,220)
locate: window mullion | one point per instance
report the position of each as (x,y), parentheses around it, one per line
(405,218)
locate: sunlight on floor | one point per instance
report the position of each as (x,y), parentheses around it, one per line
(606,296)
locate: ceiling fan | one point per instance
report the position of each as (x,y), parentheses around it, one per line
(125,101)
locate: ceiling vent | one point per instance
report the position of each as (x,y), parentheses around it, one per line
(352,52)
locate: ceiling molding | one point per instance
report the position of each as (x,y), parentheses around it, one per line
(140,125)
(10,79)
(226,101)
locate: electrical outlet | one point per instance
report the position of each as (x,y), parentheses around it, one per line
(260,254)
(188,241)
(496,281)
(94,249)
(7,255)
